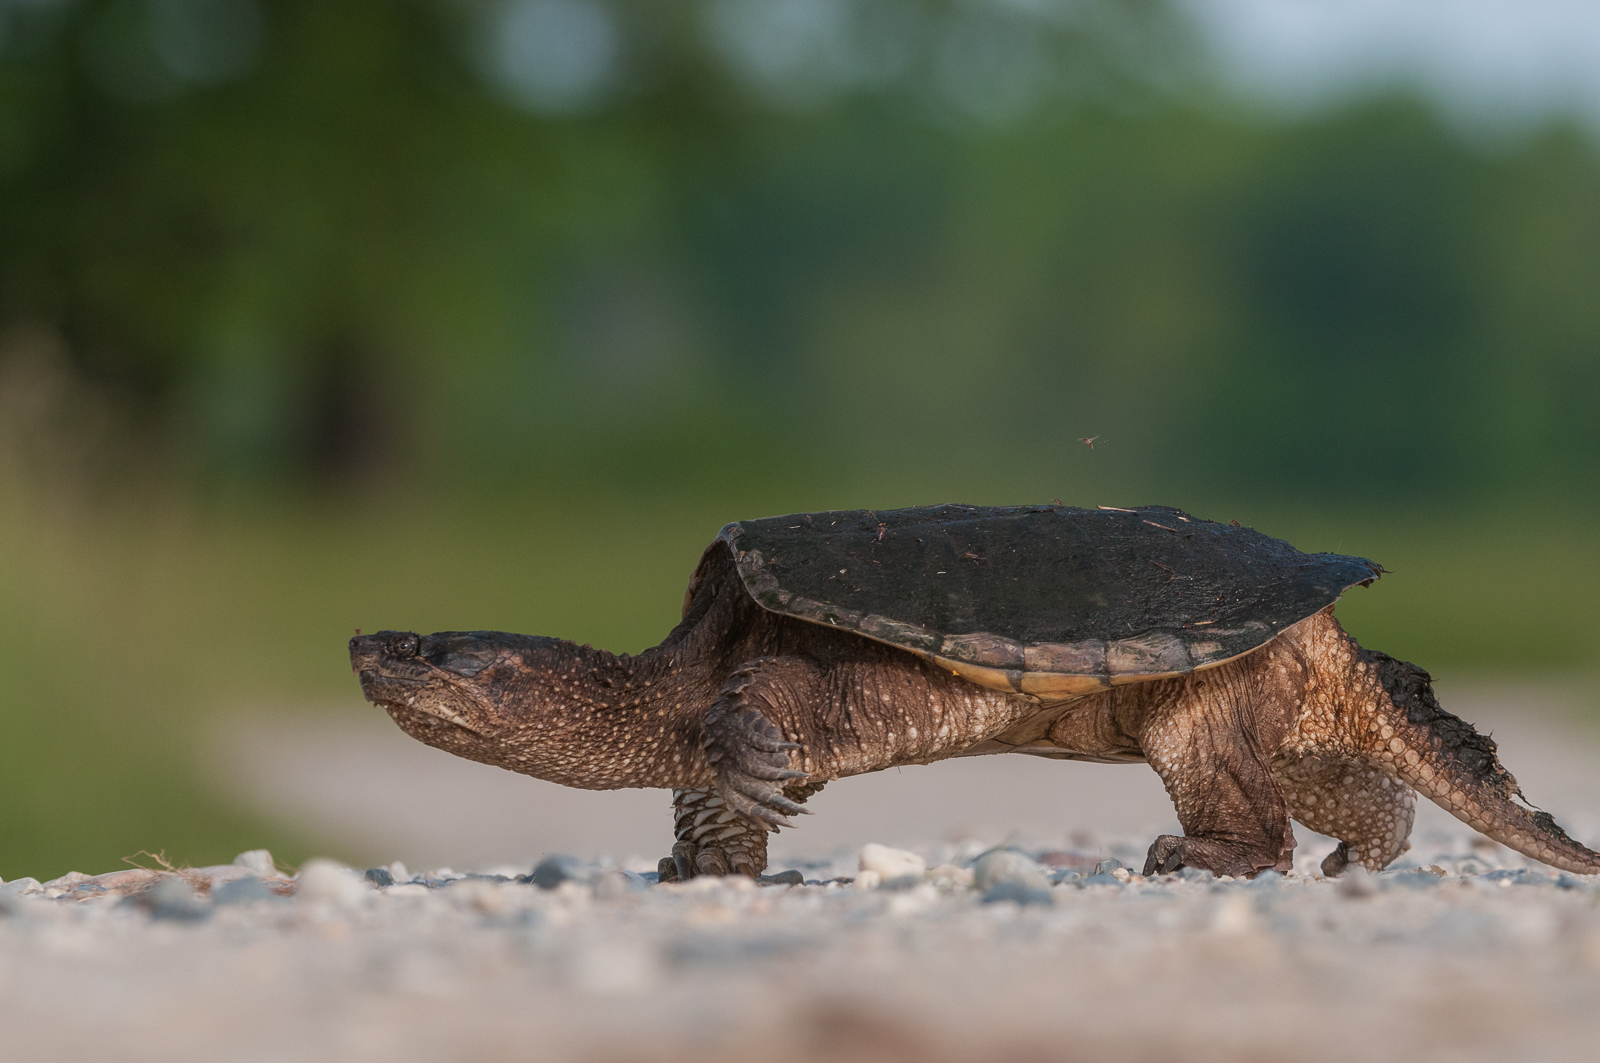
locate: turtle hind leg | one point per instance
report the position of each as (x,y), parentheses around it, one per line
(711,839)
(1206,738)
(1361,803)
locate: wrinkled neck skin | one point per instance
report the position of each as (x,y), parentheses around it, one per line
(581,717)
(567,713)
(599,720)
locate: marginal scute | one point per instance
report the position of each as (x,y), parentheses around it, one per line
(911,636)
(1086,658)
(1049,685)
(993,678)
(1153,653)
(984,648)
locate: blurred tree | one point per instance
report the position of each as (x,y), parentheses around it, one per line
(632,243)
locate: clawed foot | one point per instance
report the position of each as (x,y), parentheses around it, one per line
(1170,853)
(689,860)
(751,758)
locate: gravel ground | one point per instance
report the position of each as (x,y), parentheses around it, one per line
(1471,956)
(945,951)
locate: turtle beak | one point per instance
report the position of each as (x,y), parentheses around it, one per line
(364,650)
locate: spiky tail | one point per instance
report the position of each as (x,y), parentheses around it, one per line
(1442,757)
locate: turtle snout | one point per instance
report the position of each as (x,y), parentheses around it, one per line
(366,651)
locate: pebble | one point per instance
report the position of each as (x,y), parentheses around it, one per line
(615,883)
(1007,865)
(902,882)
(784,878)
(171,898)
(330,882)
(247,890)
(553,870)
(952,876)
(890,863)
(1018,893)
(379,876)
(1416,879)
(258,861)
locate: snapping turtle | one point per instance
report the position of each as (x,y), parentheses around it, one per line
(823,645)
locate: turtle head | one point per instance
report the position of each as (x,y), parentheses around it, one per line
(447,687)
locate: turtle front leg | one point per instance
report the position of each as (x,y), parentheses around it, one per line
(712,840)
(1208,747)
(722,829)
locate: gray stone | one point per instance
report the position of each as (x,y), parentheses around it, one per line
(999,866)
(553,870)
(171,898)
(1017,893)
(1415,879)
(785,878)
(609,885)
(1106,866)
(1195,874)
(243,891)
(1266,880)
(18,887)
(379,876)
(1102,880)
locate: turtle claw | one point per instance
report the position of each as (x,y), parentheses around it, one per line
(689,860)
(766,806)
(751,759)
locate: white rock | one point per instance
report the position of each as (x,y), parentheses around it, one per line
(1007,865)
(890,863)
(330,882)
(952,876)
(258,861)
(867,880)
(67,881)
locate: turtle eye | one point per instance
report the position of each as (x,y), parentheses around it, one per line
(404,646)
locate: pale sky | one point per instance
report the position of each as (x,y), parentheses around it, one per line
(1485,59)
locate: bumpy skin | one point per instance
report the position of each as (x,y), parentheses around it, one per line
(744,714)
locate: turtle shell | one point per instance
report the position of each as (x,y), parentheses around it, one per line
(1050,601)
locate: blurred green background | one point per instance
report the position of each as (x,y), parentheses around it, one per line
(442,314)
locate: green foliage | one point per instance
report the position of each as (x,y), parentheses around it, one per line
(360,251)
